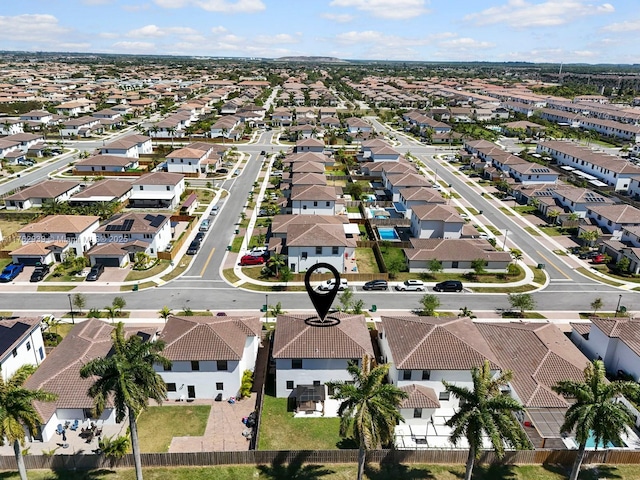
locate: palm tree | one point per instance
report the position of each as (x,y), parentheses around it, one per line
(596,411)
(369,408)
(17,411)
(127,378)
(486,410)
(275,262)
(165,312)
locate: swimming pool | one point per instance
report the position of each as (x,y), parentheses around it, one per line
(591,443)
(388,233)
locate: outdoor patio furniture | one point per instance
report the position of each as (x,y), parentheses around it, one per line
(59,429)
(74,425)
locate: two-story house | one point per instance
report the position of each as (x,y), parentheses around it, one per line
(106,163)
(209,355)
(21,344)
(436,221)
(157,190)
(307,245)
(313,200)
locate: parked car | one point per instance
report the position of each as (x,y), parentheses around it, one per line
(589,255)
(411,286)
(376,285)
(448,286)
(39,273)
(222,170)
(214,210)
(194,246)
(258,251)
(199,237)
(95,272)
(204,225)
(11,271)
(251,260)
(599,258)
(328,285)
(508,197)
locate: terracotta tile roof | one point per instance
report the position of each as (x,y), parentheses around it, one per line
(307,167)
(308,179)
(408,180)
(539,354)
(12,331)
(49,189)
(307,157)
(208,338)
(141,223)
(59,373)
(622,214)
(313,192)
(107,160)
(295,339)
(104,188)
(581,328)
(454,250)
(444,213)
(38,248)
(159,178)
(318,235)
(419,397)
(627,330)
(430,343)
(61,224)
(281,223)
(424,194)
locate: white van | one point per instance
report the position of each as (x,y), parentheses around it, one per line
(328,285)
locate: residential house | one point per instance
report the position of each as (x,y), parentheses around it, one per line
(103,191)
(187,160)
(395,182)
(40,193)
(208,355)
(157,190)
(130,146)
(308,244)
(305,354)
(37,116)
(613,218)
(75,108)
(455,256)
(59,374)
(10,148)
(412,196)
(25,140)
(357,126)
(313,200)
(436,221)
(21,344)
(133,232)
(533,173)
(579,200)
(309,145)
(106,163)
(78,231)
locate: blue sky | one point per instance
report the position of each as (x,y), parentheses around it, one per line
(585,31)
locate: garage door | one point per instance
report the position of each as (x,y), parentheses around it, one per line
(28,261)
(108,261)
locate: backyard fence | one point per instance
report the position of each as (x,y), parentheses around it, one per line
(81,461)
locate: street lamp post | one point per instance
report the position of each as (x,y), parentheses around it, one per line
(506,232)
(618,306)
(266,307)
(73,320)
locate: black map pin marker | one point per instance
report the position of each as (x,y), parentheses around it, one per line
(322,301)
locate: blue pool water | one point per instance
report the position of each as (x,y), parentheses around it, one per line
(591,443)
(388,233)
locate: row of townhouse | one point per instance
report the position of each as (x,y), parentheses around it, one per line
(610,128)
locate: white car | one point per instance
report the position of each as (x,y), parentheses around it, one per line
(411,286)
(328,285)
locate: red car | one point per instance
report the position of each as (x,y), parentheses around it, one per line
(251,260)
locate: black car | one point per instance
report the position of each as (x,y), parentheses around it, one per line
(199,237)
(194,246)
(376,285)
(448,286)
(39,273)
(95,272)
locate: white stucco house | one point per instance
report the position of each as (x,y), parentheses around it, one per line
(313,200)
(134,232)
(21,344)
(63,231)
(209,355)
(157,190)
(311,355)
(436,221)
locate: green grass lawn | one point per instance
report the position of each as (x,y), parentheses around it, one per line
(140,274)
(340,472)
(532,231)
(525,209)
(182,266)
(366,260)
(280,431)
(158,425)
(391,254)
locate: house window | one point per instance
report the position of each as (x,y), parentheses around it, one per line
(41,353)
(316,383)
(454,264)
(14,352)
(219,386)
(28,346)
(443,396)
(171,387)
(222,365)
(304,207)
(315,204)
(148,235)
(195,365)
(426,374)
(168,188)
(304,255)
(141,187)
(296,363)
(334,250)
(167,368)
(289,384)
(406,374)
(318,250)
(417,413)
(327,204)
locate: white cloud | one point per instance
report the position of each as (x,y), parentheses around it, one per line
(466,44)
(136,8)
(135,46)
(373,37)
(218,30)
(155,31)
(585,53)
(223,6)
(338,18)
(278,39)
(628,26)
(520,13)
(32,29)
(389,9)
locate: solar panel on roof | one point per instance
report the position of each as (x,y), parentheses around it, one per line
(126,226)
(110,228)
(157,221)
(149,217)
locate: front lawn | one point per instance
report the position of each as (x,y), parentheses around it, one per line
(158,425)
(366,260)
(280,431)
(159,267)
